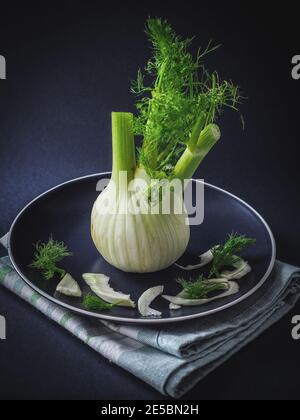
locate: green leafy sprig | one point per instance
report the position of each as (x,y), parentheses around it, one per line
(201,288)
(225,255)
(46,257)
(173,94)
(94,303)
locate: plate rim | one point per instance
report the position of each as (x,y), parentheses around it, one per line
(143,321)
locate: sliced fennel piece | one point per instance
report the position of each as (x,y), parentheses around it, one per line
(69,287)
(181,300)
(242,268)
(99,283)
(205,259)
(147,298)
(182,294)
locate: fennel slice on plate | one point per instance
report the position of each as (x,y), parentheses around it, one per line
(146,299)
(242,268)
(69,287)
(205,259)
(99,284)
(183,300)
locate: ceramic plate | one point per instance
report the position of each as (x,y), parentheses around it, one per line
(64,212)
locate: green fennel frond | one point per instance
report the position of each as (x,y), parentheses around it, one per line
(94,303)
(174,91)
(201,288)
(225,255)
(46,257)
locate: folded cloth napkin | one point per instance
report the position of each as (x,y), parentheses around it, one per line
(173,358)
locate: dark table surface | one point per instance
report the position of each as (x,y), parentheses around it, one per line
(68,67)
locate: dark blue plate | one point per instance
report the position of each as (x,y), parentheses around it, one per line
(64,212)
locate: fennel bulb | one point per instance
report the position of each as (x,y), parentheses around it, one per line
(139,243)
(131,233)
(134,239)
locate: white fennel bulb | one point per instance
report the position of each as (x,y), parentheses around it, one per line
(124,229)
(132,232)
(138,243)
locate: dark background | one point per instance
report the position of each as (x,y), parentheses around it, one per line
(69,64)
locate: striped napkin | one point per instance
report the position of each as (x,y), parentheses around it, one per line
(174,358)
